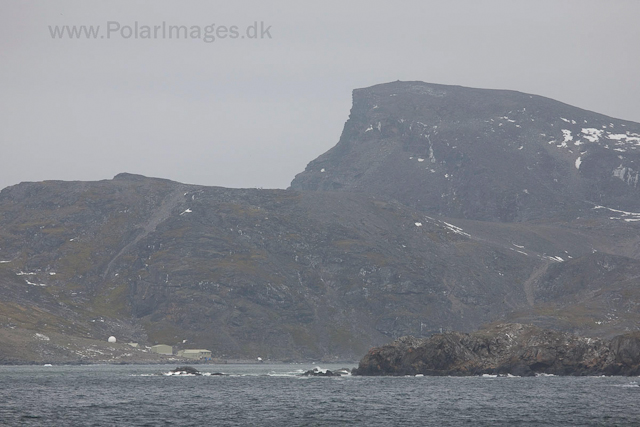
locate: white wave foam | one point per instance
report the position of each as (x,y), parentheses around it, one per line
(632,384)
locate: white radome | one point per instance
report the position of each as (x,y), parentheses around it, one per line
(112,339)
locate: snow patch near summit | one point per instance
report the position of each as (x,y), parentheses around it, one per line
(621,142)
(592,134)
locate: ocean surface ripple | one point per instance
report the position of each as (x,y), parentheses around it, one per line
(105,395)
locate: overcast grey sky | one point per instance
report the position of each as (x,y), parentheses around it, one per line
(241,112)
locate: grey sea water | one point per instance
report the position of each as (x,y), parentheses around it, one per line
(275,395)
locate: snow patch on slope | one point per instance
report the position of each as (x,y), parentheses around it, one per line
(592,134)
(623,215)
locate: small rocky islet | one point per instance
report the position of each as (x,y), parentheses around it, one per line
(190,371)
(316,372)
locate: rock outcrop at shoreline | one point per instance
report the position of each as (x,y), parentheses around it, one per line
(515,349)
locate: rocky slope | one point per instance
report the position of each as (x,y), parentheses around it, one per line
(286,274)
(480,154)
(505,349)
(274,273)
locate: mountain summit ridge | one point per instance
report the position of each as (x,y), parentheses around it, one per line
(480,154)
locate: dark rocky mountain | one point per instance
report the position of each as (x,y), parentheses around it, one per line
(505,349)
(274,273)
(481,154)
(308,274)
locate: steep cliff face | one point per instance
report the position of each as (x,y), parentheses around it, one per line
(480,154)
(505,349)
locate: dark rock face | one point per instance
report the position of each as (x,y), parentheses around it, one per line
(480,154)
(626,349)
(514,349)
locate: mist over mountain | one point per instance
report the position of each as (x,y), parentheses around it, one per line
(441,207)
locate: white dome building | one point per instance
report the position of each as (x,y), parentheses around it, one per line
(111,339)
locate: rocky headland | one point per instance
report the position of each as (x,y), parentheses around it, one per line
(516,349)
